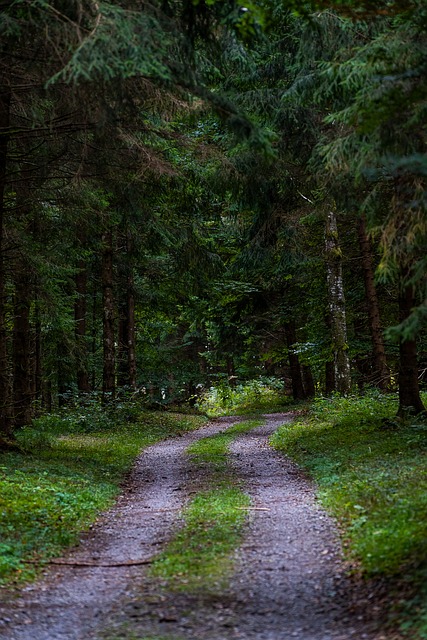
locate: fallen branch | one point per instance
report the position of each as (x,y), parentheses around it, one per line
(66,563)
(254,508)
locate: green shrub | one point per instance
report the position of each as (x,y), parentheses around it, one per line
(248,397)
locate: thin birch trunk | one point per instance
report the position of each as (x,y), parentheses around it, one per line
(337,305)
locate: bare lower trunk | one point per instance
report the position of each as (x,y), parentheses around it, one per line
(5,398)
(294,363)
(122,346)
(409,393)
(381,372)
(337,306)
(21,350)
(80,329)
(38,374)
(131,335)
(108,386)
(127,358)
(309,387)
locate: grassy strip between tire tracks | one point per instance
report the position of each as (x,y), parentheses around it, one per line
(58,486)
(372,476)
(198,557)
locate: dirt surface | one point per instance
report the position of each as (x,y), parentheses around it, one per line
(289,580)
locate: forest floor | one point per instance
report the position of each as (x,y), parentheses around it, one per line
(289,579)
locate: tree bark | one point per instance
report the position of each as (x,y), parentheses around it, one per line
(5,396)
(337,306)
(309,387)
(22,397)
(131,333)
(80,328)
(108,384)
(122,343)
(381,371)
(38,368)
(409,393)
(294,363)
(127,350)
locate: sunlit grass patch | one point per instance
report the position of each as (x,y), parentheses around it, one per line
(372,476)
(198,556)
(55,490)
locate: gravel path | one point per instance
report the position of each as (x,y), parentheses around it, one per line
(289,580)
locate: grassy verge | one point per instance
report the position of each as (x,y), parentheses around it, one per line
(199,555)
(64,478)
(373,478)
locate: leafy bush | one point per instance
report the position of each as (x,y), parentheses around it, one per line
(255,395)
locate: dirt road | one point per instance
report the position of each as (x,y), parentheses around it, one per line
(289,580)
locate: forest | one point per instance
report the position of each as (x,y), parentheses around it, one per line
(207,198)
(210,192)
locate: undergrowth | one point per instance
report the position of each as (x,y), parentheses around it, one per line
(199,555)
(372,475)
(67,473)
(246,398)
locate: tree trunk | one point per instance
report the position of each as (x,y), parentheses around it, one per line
(309,387)
(337,306)
(294,363)
(108,384)
(409,393)
(381,372)
(80,329)
(38,371)
(21,348)
(5,399)
(127,353)
(62,356)
(94,339)
(131,334)
(231,371)
(122,343)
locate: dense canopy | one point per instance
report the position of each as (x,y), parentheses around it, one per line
(202,192)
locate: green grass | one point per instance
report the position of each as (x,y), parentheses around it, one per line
(58,487)
(199,555)
(373,477)
(212,451)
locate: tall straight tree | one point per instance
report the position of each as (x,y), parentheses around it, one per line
(108,319)
(5,396)
(337,311)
